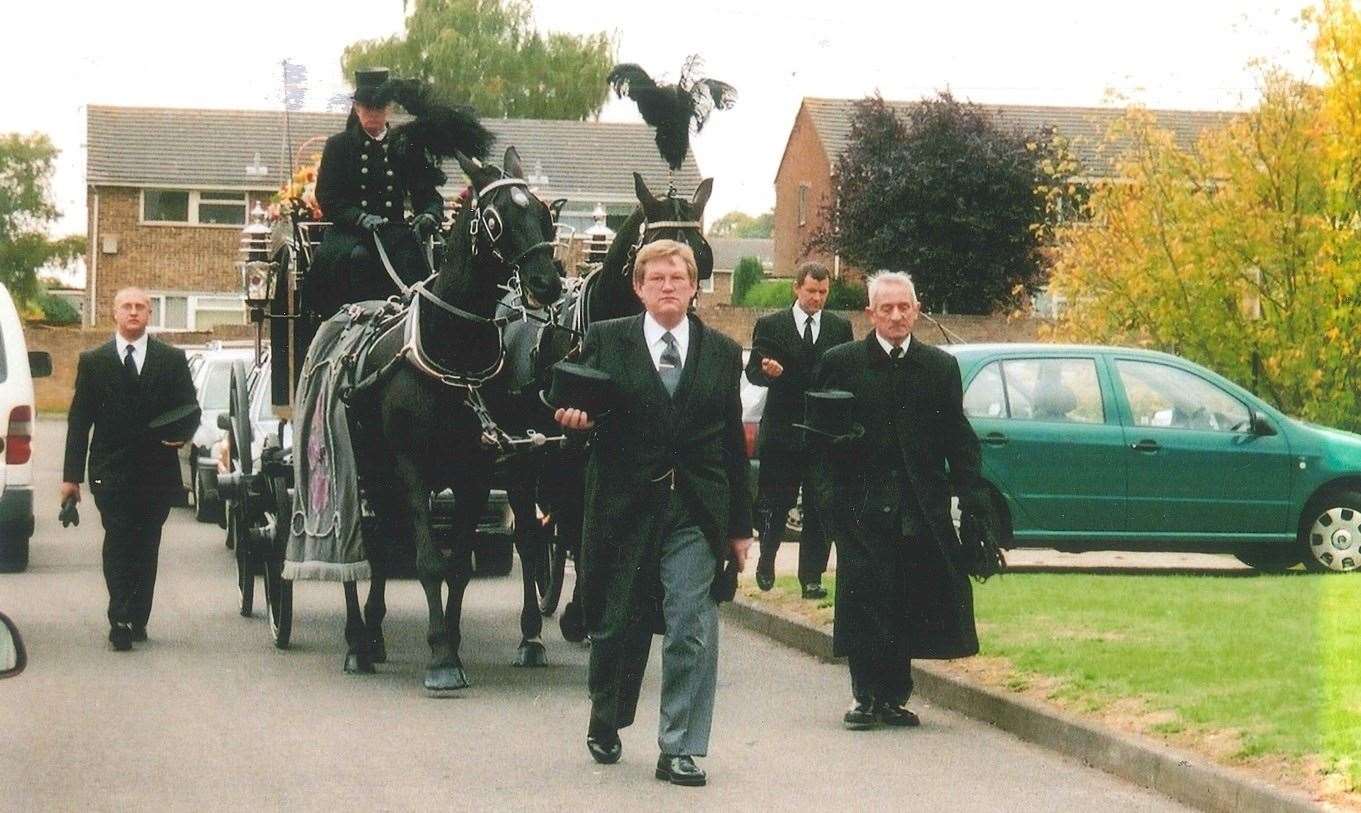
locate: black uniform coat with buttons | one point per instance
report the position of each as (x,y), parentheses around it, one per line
(361,175)
(937,451)
(698,434)
(123,453)
(777,336)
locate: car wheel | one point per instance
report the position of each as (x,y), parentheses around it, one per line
(1330,532)
(14,555)
(202,504)
(1269,558)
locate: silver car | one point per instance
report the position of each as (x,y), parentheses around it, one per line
(211,368)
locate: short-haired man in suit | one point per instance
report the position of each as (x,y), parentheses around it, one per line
(667,508)
(785,346)
(900,594)
(134,476)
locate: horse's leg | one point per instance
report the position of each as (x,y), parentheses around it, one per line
(357,656)
(529,547)
(445,672)
(572,622)
(375,606)
(470,497)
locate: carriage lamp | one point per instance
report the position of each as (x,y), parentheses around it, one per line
(257,272)
(598,236)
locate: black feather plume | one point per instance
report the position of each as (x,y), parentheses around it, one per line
(672,110)
(437,127)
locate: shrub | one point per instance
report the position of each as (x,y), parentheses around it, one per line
(57,311)
(770,293)
(847,296)
(747,273)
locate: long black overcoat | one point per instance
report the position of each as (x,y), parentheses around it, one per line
(776,335)
(698,434)
(939,453)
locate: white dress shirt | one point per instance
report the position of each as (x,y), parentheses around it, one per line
(652,334)
(138,350)
(888,346)
(801,319)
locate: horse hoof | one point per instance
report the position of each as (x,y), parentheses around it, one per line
(379,648)
(446,678)
(531,654)
(571,623)
(356,664)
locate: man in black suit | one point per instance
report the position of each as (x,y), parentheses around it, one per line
(362,186)
(900,593)
(785,346)
(135,477)
(668,519)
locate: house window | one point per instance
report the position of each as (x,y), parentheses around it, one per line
(707,285)
(169,312)
(803,204)
(194,207)
(195,312)
(211,311)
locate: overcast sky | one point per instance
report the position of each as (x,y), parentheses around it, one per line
(60,56)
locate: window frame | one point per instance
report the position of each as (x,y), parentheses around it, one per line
(195,199)
(1128,406)
(803,204)
(191,308)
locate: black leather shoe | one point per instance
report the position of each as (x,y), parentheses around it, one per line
(120,635)
(897,716)
(814,591)
(680,770)
(860,717)
(139,634)
(605,747)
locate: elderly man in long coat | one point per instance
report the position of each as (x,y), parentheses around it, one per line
(668,516)
(900,593)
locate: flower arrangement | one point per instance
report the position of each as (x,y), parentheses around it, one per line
(299,195)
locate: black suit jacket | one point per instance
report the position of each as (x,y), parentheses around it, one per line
(123,453)
(698,434)
(776,336)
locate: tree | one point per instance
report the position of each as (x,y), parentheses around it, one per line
(744,226)
(26,212)
(946,195)
(487,54)
(1243,253)
(745,276)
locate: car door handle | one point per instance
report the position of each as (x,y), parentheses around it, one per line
(1145,446)
(995,439)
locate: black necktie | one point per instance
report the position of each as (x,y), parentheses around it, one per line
(808,332)
(897,353)
(670,368)
(129,363)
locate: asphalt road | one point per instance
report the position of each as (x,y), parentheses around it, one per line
(208,715)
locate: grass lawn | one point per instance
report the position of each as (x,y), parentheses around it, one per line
(1257,669)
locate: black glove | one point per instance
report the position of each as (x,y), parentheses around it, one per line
(69,515)
(425,225)
(371,222)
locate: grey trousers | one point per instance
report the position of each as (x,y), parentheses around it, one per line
(689,652)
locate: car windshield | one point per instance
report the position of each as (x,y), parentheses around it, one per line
(216,385)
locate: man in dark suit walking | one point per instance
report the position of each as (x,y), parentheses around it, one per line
(134,476)
(900,593)
(785,346)
(668,519)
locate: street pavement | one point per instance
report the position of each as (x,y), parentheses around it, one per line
(208,715)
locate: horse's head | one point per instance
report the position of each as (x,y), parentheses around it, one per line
(676,218)
(514,226)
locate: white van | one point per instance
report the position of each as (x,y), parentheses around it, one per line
(17,369)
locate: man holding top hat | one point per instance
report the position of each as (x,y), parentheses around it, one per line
(668,517)
(897,443)
(785,346)
(137,395)
(362,187)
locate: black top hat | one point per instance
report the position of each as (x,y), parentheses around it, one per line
(368,87)
(576,386)
(828,413)
(176,424)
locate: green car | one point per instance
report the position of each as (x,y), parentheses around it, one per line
(1111,448)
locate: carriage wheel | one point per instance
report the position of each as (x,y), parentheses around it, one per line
(550,576)
(278,590)
(242,510)
(245,568)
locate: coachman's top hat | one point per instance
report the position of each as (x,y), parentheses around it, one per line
(828,414)
(178,424)
(576,386)
(368,87)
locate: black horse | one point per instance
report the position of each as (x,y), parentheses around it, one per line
(422,412)
(554,478)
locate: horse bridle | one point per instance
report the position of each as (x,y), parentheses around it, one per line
(487,222)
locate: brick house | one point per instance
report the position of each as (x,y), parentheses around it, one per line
(821,132)
(169,190)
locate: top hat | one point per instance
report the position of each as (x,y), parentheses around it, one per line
(368,87)
(178,424)
(576,386)
(828,413)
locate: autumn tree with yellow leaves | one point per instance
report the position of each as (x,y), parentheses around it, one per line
(1244,252)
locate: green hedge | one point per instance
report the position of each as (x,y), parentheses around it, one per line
(57,311)
(770,293)
(844,296)
(747,274)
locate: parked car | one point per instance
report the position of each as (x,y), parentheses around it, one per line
(494,548)
(18,368)
(211,371)
(1111,448)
